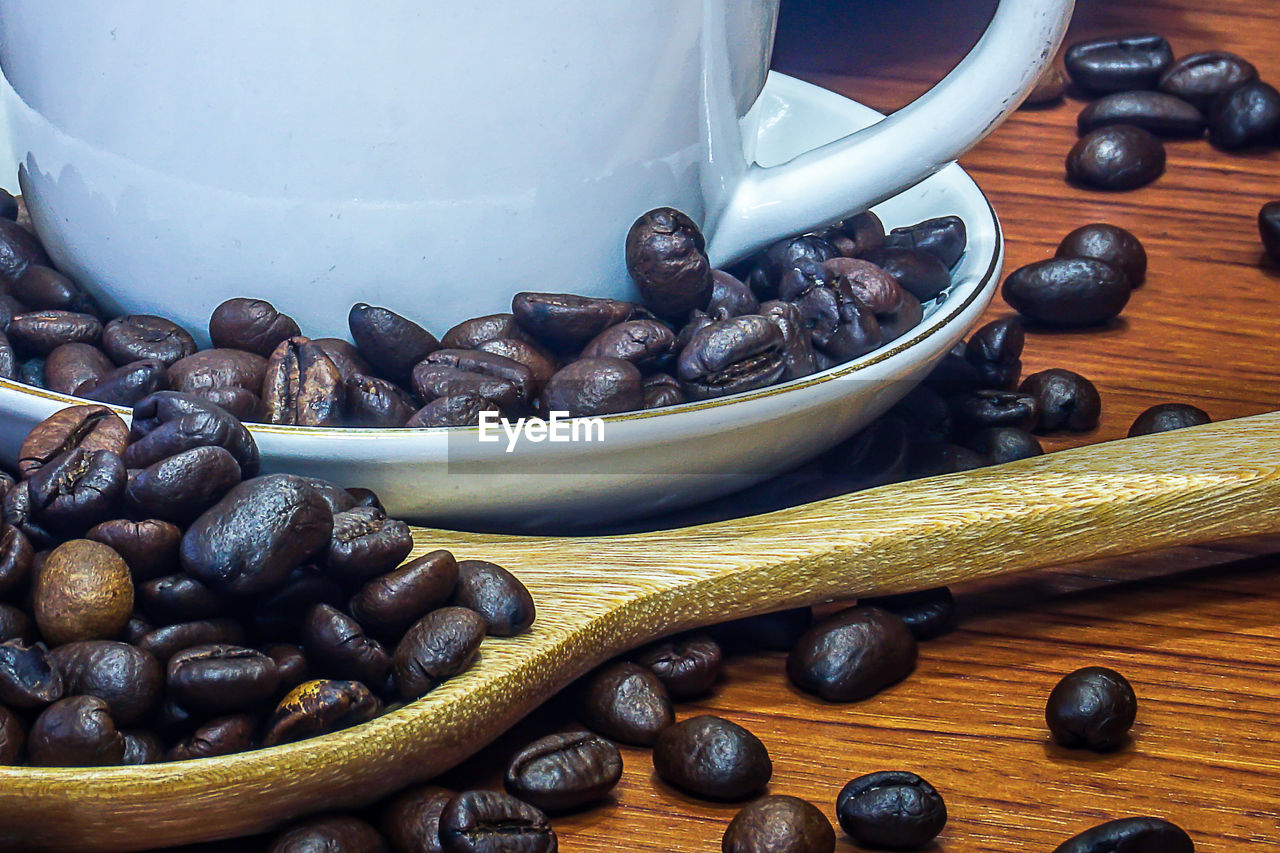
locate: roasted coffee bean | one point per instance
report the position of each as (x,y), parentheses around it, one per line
(237,402)
(8,360)
(985,409)
(891,810)
(663,389)
(16,556)
(768,632)
(1155,112)
(627,703)
(999,445)
(181,487)
(221,679)
(565,771)
(126,385)
(712,757)
(697,322)
(894,326)
(345,357)
(291,663)
(1201,77)
(432,381)
(470,334)
(798,356)
(15,625)
(440,645)
(258,533)
(497,595)
(13,737)
(730,356)
(138,337)
(878,455)
(17,513)
(137,628)
(1118,64)
(1242,117)
(688,667)
(320,707)
(334,496)
(1166,417)
(411,819)
(167,641)
(72,365)
(87,427)
(1269,229)
(179,598)
(491,822)
(853,655)
(995,351)
(1067,292)
(329,834)
(167,423)
(19,249)
(173,721)
(856,235)
(779,825)
(1117,157)
(1092,708)
(647,344)
(218,368)
(31,371)
(1110,244)
(41,332)
(1049,89)
(666,257)
(451,411)
(1064,400)
(487,364)
(77,490)
(841,326)
(784,255)
(338,647)
(946,459)
(921,274)
(302,386)
(220,736)
(566,322)
(874,287)
(386,606)
(279,615)
(364,497)
(928,613)
(150,547)
(541,364)
(28,676)
(128,679)
(1130,835)
(252,325)
(594,386)
(392,344)
(944,237)
(365,543)
(83,592)
(141,747)
(730,297)
(75,732)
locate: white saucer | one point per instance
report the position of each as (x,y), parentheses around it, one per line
(652,461)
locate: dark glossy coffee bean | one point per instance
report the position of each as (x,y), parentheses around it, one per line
(279,615)
(41,332)
(167,641)
(1110,244)
(329,834)
(411,819)
(28,676)
(16,556)
(291,663)
(75,732)
(1049,89)
(995,351)
(647,344)
(128,679)
(985,409)
(319,707)
(891,810)
(779,825)
(1161,114)
(541,364)
(334,496)
(1118,157)
(1067,293)
(365,497)
(432,381)
(252,325)
(72,365)
(1242,117)
(440,645)
(946,459)
(77,490)
(798,357)
(13,737)
(393,344)
(731,356)
(469,334)
(1064,400)
(922,274)
(712,757)
(874,287)
(16,625)
(386,606)
(218,368)
(259,532)
(488,365)
(137,337)
(563,772)
(181,487)
(853,655)
(220,736)
(345,357)
(688,667)
(594,386)
(451,411)
(1201,77)
(999,445)
(149,547)
(1118,64)
(237,402)
(663,389)
(19,249)
(841,326)
(1130,835)
(730,297)
(179,598)
(1269,229)
(167,423)
(126,385)
(1092,708)
(491,822)
(928,613)
(497,595)
(302,386)
(784,255)
(1166,417)
(666,257)
(626,702)
(944,237)
(338,647)
(221,679)
(141,747)
(953,374)
(17,513)
(565,322)
(878,455)
(768,632)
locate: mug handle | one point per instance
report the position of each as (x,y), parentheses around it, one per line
(851,174)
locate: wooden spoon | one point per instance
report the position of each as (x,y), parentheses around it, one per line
(600,596)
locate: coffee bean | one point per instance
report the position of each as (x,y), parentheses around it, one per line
(19,249)
(75,732)
(947,459)
(167,423)
(944,237)
(627,703)
(1067,292)
(237,402)
(874,287)
(595,386)
(179,598)
(470,334)
(338,648)
(41,332)
(922,274)
(126,385)
(857,235)
(365,543)
(1117,157)
(221,679)
(392,344)
(713,758)
(841,326)
(15,625)
(251,325)
(139,337)
(1110,244)
(386,606)
(924,412)
(279,614)
(853,655)
(491,822)
(440,645)
(220,736)
(798,357)
(8,360)
(769,632)
(364,497)
(1064,400)
(565,322)
(72,365)
(784,255)
(167,641)
(432,381)
(995,351)
(565,771)
(1166,417)
(986,409)
(489,365)
(150,547)
(497,595)
(1130,835)
(891,810)
(291,663)
(13,737)
(141,747)
(319,707)
(730,297)
(1244,116)
(87,427)
(181,487)
(345,357)
(128,679)
(666,257)
(16,556)
(18,513)
(1269,228)
(218,368)
(1092,708)
(1003,444)
(541,364)
(30,371)
(688,667)
(1201,77)
(878,455)
(663,389)
(84,592)
(77,490)
(894,326)
(302,386)
(774,824)
(928,613)
(454,410)
(1119,64)
(28,676)
(1161,114)
(731,356)
(329,834)
(411,819)
(647,344)
(1049,89)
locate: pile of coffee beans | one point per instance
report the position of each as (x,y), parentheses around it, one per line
(162,601)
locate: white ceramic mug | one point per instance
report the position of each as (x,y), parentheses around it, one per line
(433,157)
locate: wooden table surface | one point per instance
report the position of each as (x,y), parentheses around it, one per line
(1196,631)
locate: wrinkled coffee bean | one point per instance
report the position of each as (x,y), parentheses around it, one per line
(302,386)
(488,365)
(126,385)
(944,237)
(874,287)
(17,513)
(1201,77)
(647,344)
(150,547)
(853,655)
(218,368)
(167,423)
(565,322)
(666,257)
(141,747)
(985,409)
(798,357)
(731,356)
(1166,417)
(19,249)
(432,381)
(83,592)
(365,543)
(220,736)
(564,771)
(1110,244)
(345,357)
(497,595)
(1092,708)
(329,834)
(662,389)
(470,334)
(1117,157)
(16,557)
(252,325)
(1067,292)
(1118,64)
(320,707)
(627,703)
(451,411)
(181,487)
(339,648)
(393,344)
(221,679)
(921,274)
(841,325)
(784,255)
(594,386)
(779,825)
(139,337)
(75,732)
(995,353)
(857,235)
(1155,112)
(730,297)
(77,490)
(928,613)
(712,757)
(28,676)
(687,667)
(491,822)
(41,332)
(541,364)
(1064,400)
(1269,229)
(891,810)
(439,646)
(1130,835)
(411,820)
(167,641)
(999,445)
(128,679)
(72,365)
(87,427)
(386,606)
(1241,117)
